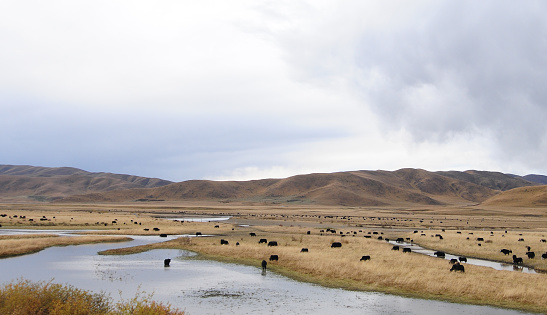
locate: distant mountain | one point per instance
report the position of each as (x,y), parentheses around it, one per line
(492,180)
(358,188)
(404,187)
(23,182)
(540,179)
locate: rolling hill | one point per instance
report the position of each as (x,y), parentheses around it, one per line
(403,187)
(23,182)
(357,188)
(520,197)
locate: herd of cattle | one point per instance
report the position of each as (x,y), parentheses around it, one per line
(456,263)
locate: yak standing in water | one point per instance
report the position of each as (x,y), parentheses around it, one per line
(166,262)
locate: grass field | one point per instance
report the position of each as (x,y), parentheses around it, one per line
(387,271)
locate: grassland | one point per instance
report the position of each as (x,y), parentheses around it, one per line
(388,271)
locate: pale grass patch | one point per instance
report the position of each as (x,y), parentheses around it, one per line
(26,236)
(15,247)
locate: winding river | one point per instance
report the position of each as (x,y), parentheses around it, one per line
(208,287)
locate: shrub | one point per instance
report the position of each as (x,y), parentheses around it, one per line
(47,298)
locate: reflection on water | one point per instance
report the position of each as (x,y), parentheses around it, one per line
(209,287)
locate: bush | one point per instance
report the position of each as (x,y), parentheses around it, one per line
(46,298)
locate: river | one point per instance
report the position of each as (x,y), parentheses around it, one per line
(208,287)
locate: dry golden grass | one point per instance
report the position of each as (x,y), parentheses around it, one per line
(15,247)
(26,236)
(459,244)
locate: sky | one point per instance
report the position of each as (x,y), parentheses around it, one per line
(251,89)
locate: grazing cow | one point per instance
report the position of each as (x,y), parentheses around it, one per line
(380,238)
(368,236)
(453,261)
(400,240)
(224,242)
(528,248)
(264,264)
(272,243)
(163,235)
(304,250)
(521,240)
(544,256)
(517,260)
(237,243)
(439,254)
(217,226)
(395,247)
(336,244)
(156,229)
(531,255)
(457,267)
(480,239)
(308,232)
(147,229)
(365,258)
(274,257)
(543,240)
(252,234)
(262,240)
(166,262)
(407,250)
(462,259)
(506,251)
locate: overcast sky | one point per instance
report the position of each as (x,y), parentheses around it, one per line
(237,90)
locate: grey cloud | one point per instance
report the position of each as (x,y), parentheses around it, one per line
(441,68)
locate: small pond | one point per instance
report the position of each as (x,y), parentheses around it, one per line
(209,287)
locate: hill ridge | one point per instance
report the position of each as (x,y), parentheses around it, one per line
(403,187)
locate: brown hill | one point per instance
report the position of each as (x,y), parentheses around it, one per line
(492,180)
(535,196)
(21,182)
(359,188)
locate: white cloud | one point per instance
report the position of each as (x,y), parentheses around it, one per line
(246,89)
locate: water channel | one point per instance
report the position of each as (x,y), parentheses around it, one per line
(207,287)
(472,261)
